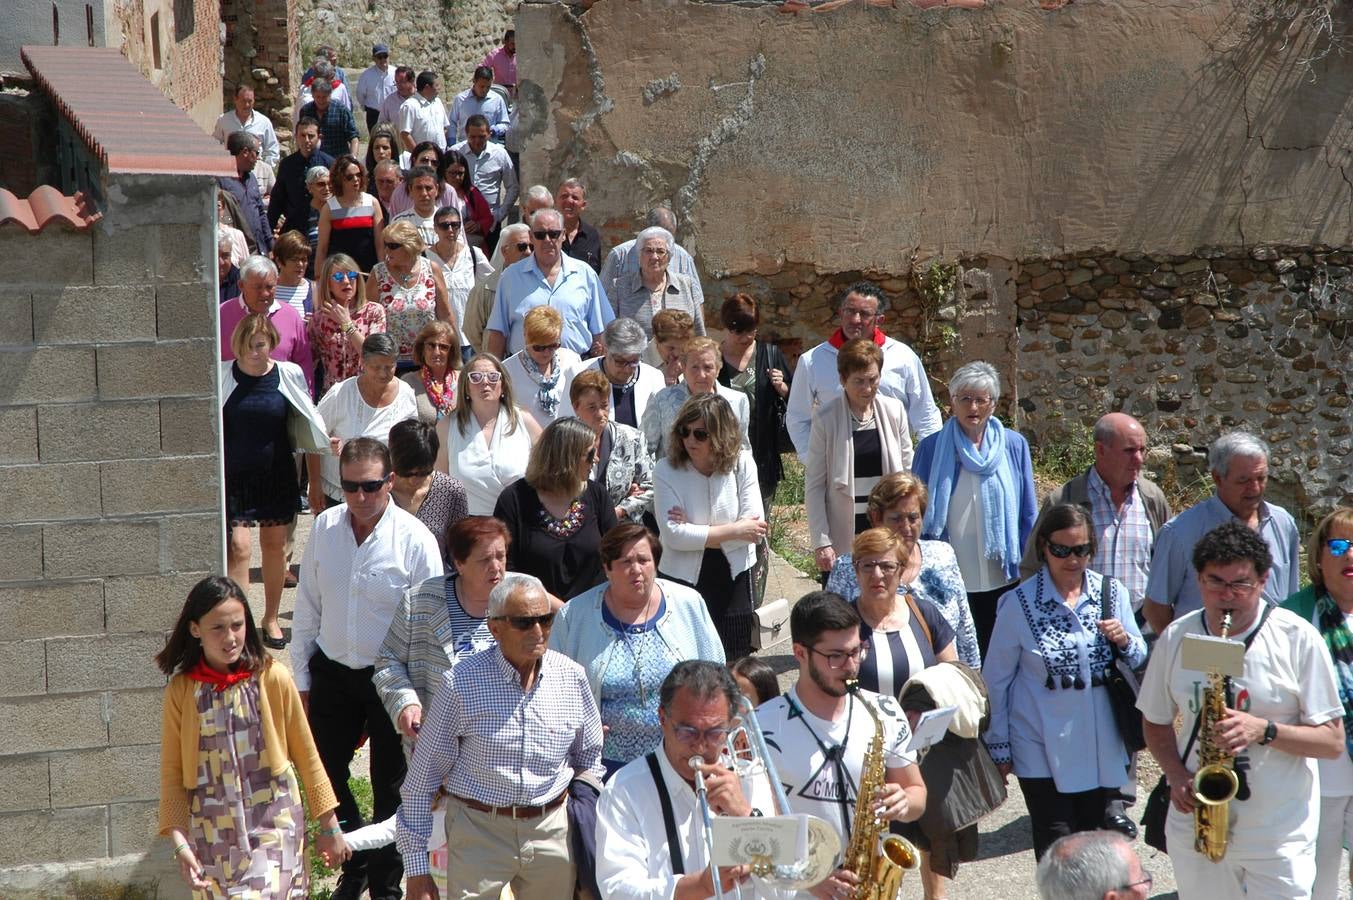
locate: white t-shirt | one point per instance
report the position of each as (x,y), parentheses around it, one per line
(348,416)
(1336,775)
(1288,678)
(799,742)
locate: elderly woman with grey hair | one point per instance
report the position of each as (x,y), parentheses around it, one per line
(656,286)
(981,482)
(633,382)
(366,405)
(320,185)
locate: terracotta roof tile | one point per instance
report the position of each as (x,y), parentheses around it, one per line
(44,206)
(124,119)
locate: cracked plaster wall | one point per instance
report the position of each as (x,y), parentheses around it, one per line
(802,151)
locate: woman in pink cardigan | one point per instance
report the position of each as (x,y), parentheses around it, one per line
(233,729)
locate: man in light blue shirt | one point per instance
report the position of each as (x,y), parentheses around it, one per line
(478,99)
(1239,464)
(548,277)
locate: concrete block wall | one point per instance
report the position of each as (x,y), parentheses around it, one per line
(110,466)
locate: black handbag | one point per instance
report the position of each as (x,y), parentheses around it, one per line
(1122,685)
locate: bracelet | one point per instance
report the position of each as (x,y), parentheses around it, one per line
(349,328)
(332,832)
(179,849)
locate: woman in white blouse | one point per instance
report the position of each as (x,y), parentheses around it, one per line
(537,371)
(710,516)
(487,442)
(462,264)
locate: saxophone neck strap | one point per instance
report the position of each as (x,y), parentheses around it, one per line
(834,754)
(1249,639)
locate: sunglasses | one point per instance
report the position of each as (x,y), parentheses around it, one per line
(391,245)
(523,246)
(545,348)
(448,226)
(699,434)
(741,329)
(366,487)
(553,234)
(1062,551)
(1338,546)
(484,377)
(525,623)
(340,277)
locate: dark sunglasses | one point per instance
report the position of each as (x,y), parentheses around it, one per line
(366,487)
(553,234)
(523,246)
(741,329)
(340,277)
(1338,546)
(1062,551)
(699,434)
(545,348)
(391,245)
(447,226)
(525,623)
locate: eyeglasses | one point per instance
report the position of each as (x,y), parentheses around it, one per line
(437,345)
(366,487)
(1062,551)
(421,473)
(526,623)
(340,277)
(967,400)
(654,251)
(910,518)
(553,234)
(1144,884)
(1212,582)
(689,734)
(391,245)
(838,659)
(887,568)
(484,377)
(523,246)
(624,362)
(448,226)
(741,329)
(699,434)
(1338,546)
(545,348)
(853,312)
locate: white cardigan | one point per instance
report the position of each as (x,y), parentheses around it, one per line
(716,500)
(829,478)
(305,426)
(651,381)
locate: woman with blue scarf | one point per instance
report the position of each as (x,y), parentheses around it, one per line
(981,483)
(1327,604)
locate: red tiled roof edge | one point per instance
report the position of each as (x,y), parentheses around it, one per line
(43,207)
(124,120)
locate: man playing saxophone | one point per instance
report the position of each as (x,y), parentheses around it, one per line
(1282,713)
(820,734)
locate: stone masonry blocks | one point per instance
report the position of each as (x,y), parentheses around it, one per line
(57,836)
(80,314)
(185,310)
(47,375)
(16,316)
(50,610)
(145,254)
(98,431)
(133,827)
(18,435)
(24,783)
(189,426)
(104,662)
(108,775)
(102,548)
(23,668)
(42,724)
(134,716)
(168,369)
(20,554)
(61,250)
(146,602)
(48,493)
(136,486)
(193,543)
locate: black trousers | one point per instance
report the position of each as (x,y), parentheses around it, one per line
(729,601)
(983,607)
(344,706)
(371,116)
(1053,814)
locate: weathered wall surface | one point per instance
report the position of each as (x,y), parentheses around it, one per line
(1045,151)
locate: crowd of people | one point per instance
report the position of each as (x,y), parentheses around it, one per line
(541,495)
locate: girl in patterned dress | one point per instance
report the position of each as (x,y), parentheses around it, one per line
(233,740)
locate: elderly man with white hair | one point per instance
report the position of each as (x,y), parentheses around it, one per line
(549,278)
(258,294)
(1239,464)
(1092,865)
(507,732)
(656,285)
(634,383)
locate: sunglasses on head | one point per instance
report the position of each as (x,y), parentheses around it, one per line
(700,434)
(1062,551)
(525,623)
(340,277)
(484,377)
(1338,546)
(523,246)
(366,487)
(553,234)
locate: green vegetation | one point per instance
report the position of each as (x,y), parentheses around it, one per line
(361,791)
(1059,457)
(789,521)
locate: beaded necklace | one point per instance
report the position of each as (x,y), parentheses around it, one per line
(567,526)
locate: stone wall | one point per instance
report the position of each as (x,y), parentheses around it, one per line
(109,464)
(1092,162)
(262,50)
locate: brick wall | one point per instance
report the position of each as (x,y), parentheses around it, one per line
(261,50)
(109,464)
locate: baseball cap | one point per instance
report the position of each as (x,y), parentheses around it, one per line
(380,50)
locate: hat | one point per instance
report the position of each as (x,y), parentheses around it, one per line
(380,50)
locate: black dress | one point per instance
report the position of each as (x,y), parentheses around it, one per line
(260,471)
(563,555)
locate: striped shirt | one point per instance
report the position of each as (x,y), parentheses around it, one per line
(1123,538)
(361,214)
(486,739)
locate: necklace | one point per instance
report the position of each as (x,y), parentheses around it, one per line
(566,527)
(632,635)
(858,422)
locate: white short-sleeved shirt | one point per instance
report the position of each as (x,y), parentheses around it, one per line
(799,741)
(424,120)
(348,416)
(1288,678)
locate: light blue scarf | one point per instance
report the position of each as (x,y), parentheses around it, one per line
(1000,492)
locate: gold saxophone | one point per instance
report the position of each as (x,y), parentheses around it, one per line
(879,859)
(1215,783)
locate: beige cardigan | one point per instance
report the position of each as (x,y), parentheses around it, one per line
(829,481)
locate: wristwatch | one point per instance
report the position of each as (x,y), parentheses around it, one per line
(1270,732)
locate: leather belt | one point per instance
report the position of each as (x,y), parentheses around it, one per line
(516,812)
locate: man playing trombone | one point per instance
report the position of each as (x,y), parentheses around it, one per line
(651,831)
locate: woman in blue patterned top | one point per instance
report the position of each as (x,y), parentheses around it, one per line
(931,573)
(1052,721)
(628,633)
